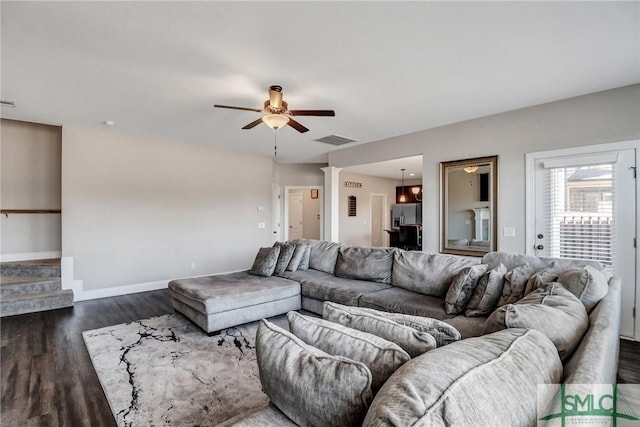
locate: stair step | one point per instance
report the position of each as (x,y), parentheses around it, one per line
(21,285)
(31,303)
(34,268)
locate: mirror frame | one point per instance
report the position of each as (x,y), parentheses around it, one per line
(493,204)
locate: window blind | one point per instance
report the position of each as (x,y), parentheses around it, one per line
(579,212)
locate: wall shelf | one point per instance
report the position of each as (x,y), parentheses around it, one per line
(30,211)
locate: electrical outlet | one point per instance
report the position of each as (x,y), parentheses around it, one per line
(262,225)
(509,232)
(193,265)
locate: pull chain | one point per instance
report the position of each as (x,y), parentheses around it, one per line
(275,144)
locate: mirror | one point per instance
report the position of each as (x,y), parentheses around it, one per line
(469,201)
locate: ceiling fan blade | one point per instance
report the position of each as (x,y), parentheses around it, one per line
(329,113)
(297,126)
(238,108)
(253,124)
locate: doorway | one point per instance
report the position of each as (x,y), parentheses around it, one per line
(584,207)
(378,220)
(302,213)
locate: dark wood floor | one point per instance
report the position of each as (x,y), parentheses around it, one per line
(47,378)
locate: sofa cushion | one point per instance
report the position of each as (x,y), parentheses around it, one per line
(467,327)
(444,333)
(286,252)
(323,255)
(462,287)
(543,277)
(381,356)
(398,300)
(410,340)
(428,274)
(265,262)
(308,385)
(552,310)
(487,293)
(493,382)
(537,263)
(515,282)
(373,264)
(216,294)
(327,287)
(587,283)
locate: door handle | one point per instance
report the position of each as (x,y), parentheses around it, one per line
(539,247)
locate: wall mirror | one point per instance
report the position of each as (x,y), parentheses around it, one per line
(469,201)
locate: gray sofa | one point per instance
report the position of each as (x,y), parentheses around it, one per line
(394,280)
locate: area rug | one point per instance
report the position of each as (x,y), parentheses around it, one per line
(167,371)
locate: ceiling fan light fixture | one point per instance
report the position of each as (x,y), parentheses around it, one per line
(471,169)
(275,121)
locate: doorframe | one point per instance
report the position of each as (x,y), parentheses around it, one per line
(531,158)
(285,216)
(385,217)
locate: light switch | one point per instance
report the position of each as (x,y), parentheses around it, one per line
(262,225)
(260,208)
(509,232)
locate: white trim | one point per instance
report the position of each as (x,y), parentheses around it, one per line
(28,256)
(133,288)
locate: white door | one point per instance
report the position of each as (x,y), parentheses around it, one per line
(295,216)
(585,208)
(377,220)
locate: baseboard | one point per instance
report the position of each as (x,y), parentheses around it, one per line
(121,290)
(28,256)
(84,295)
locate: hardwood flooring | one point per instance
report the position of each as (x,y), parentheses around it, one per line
(47,378)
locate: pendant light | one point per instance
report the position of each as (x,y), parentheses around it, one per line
(403,198)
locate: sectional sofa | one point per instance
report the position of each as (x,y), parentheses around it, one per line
(435,286)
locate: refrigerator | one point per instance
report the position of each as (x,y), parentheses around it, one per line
(405,213)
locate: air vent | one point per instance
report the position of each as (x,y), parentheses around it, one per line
(335,140)
(6,103)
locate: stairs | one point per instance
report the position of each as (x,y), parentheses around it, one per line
(31,286)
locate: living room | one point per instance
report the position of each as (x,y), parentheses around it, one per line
(150,183)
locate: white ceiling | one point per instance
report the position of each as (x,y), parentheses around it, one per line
(386,68)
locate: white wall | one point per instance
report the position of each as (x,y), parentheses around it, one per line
(30,156)
(356,231)
(140,210)
(601,117)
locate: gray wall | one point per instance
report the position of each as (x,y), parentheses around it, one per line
(597,118)
(30,156)
(140,210)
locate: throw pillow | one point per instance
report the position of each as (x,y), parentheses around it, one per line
(552,310)
(306,256)
(308,385)
(588,284)
(296,257)
(324,255)
(265,262)
(410,340)
(515,282)
(543,277)
(487,293)
(372,264)
(462,287)
(382,357)
(485,381)
(284,258)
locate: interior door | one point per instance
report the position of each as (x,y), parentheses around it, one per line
(295,216)
(585,208)
(276,206)
(377,220)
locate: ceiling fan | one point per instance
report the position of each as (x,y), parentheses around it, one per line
(277,113)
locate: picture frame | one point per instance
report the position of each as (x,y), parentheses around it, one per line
(314,193)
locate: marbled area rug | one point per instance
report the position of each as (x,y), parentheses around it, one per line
(167,371)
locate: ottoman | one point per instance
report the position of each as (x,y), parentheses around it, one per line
(222,301)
